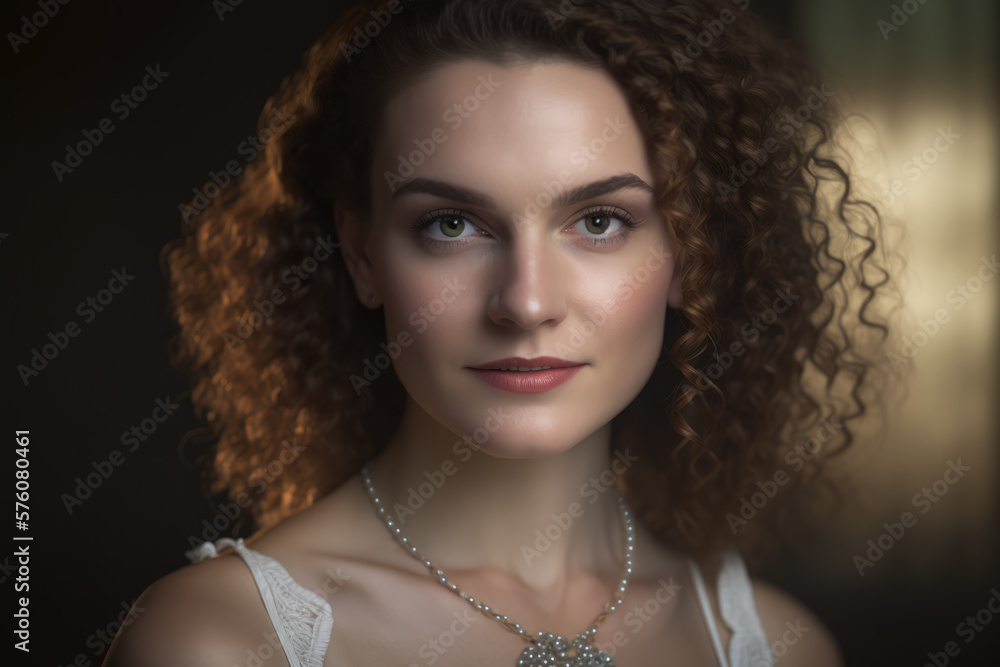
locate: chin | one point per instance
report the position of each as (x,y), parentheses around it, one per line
(526,432)
(523,450)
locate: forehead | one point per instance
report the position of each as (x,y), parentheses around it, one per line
(526,122)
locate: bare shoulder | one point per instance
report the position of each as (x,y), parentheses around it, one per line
(208,613)
(211,613)
(794,633)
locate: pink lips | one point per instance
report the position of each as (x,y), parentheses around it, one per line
(527,382)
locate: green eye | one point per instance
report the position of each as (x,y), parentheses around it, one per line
(597,223)
(601,223)
(447,229)
(452,225)
(605,225)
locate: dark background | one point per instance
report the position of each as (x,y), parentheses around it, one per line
(118,209)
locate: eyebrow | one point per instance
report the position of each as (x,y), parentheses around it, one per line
(469,196)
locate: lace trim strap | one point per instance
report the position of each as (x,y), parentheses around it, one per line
(748,645)
(302,619)
(706,610)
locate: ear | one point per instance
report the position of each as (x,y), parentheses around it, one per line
(353,238)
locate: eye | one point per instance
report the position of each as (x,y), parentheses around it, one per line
(604,224)
(599,223)
(446,228)
(450,226)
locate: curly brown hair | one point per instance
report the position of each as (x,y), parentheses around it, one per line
(740,136)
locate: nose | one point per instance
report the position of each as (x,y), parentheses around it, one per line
(530,288)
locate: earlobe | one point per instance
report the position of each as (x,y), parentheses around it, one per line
(353,241)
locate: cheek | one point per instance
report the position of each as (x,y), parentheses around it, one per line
(427,313)
(634,308)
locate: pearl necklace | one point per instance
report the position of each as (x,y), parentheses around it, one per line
(544,648)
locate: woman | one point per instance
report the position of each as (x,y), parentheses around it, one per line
(521,304)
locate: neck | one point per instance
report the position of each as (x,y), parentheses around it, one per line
(536,519)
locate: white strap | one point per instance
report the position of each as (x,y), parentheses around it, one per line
(706,608)
(748,645)
(302,619)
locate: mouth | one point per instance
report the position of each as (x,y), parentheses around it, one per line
(523,365)
(527,376)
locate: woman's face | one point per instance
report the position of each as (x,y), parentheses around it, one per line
(513,216)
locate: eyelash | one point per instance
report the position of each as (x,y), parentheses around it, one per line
(628,222)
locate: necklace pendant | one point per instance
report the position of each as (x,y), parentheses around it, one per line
(556,651)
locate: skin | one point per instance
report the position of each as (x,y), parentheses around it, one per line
(528,284)
(528,287)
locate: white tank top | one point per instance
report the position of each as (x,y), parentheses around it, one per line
(303,621)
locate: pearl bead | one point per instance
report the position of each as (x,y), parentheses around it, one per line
(543,637)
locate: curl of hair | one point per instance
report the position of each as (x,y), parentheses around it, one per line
(755,195)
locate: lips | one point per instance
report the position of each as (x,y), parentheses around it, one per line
(527,376)
(521,364)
